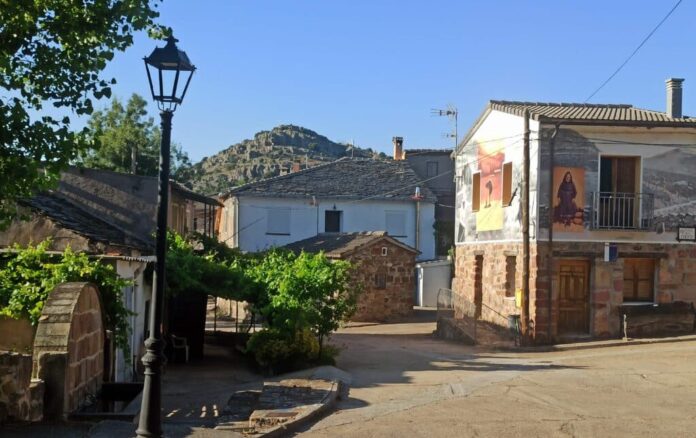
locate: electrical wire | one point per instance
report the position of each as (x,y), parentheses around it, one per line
(645,40)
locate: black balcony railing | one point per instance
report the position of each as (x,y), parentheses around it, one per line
(622,211)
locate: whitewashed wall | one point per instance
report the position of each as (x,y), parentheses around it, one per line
(134,298)
(505,131)
(245,225)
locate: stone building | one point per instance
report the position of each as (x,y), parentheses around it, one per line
(612,215)
(383,266)
(112,216)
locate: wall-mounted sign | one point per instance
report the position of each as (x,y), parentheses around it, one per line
(687,234)
(611,252)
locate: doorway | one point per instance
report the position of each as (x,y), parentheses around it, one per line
(478,285)
(573,297)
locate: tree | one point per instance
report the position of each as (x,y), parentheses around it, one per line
(53,53)
(119,133)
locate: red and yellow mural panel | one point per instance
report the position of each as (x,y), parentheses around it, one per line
(490,157)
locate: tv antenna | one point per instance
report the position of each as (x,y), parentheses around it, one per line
(451,113)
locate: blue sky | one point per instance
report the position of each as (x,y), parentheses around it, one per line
(370,70)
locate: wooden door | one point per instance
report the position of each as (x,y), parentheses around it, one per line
(478,285)
(573,297)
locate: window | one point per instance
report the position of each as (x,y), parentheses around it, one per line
(278,221)
(384,251)
(639,280)
(618,174)
(431,169)
(507,184)
(381,278)
(396,223)
(510,274)
(476,192)
(332,221)
(619,206)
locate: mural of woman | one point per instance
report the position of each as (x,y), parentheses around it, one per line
(566,209)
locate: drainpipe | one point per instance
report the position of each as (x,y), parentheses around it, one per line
(417,225)
(235,224)
(549,260)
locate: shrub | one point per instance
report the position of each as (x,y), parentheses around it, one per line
(307,291)
(275,352)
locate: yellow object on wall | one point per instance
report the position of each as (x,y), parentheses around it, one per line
(518,298)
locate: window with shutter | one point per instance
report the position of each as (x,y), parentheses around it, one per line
(278,221)
(476,192)
(507,184)
(396,223)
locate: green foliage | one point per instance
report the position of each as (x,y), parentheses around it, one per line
(119,131)
(189,271)
(303,298)
(53,53)
(30,274)
(305,291)
(274,351)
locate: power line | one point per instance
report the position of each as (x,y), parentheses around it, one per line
(645,40)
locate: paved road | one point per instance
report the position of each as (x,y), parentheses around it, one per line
(407,384)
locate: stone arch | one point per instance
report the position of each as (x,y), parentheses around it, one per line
(69,347)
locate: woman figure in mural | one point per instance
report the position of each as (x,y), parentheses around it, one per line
(566,208)
(489,186)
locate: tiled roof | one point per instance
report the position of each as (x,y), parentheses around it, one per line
(347,178)
(411,152)
(337,245)
(590,113)
(70,216)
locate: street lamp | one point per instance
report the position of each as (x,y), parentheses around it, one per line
(169,66)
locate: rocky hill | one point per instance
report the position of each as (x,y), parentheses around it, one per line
(283,149)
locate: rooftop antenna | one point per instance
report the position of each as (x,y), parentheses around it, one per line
(451,113)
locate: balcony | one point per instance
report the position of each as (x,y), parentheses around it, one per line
(622,211)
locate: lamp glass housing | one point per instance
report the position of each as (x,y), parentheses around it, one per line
(169,73)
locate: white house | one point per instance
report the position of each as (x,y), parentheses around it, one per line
(347,195)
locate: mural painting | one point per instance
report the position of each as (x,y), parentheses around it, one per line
(491,156)
(568,208)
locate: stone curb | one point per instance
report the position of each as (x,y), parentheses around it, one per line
(323,408)
(599,344)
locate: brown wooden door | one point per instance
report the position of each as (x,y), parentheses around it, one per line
(573,297)
(478,285)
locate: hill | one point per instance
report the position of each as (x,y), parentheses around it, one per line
(269,153)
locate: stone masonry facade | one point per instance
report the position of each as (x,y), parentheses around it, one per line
(675,280)
(387,281)
(21,397)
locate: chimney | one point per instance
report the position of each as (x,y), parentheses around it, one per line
(398,148)
(674,97)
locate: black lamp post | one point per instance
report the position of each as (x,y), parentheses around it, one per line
(166,64)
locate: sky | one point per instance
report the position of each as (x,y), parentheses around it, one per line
(368,70)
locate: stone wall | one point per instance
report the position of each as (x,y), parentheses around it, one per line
(16,334)
(496,306)
(69,348)
(396,299)
(675,280)
(21,398)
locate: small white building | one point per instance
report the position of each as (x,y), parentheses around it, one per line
(347,195)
